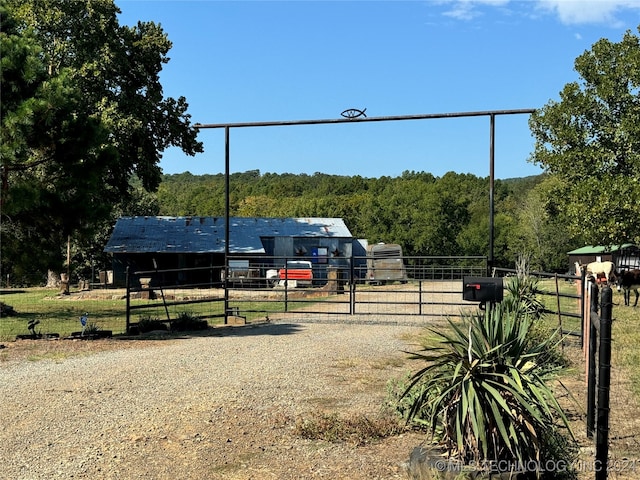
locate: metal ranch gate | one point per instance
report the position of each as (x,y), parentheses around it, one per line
(431,287)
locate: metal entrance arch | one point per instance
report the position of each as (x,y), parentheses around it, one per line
(357,119)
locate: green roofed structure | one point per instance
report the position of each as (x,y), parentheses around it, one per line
(625,256)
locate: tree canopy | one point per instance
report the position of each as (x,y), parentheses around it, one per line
(83,112)
(427,215)
(590,140)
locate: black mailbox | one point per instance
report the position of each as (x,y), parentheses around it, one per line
(482,289)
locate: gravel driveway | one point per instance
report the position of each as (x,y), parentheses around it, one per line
(222,406)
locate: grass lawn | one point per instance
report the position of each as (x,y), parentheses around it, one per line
(61,313)
(625,348)
(57,314)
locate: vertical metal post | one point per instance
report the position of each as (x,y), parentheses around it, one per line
(559,313)
(352,284)
(164,301)
(591,357)
(128,301)
(604,384)
(492,136)
(286,284)
(583,326)
(227,222)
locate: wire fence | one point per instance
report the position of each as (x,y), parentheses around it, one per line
(562,296)
(261,289)
(427,287)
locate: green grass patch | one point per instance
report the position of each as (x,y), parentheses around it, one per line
(625,333)
(625,340)
(57,314)
(61,313)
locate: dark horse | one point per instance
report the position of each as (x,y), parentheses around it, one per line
(627,281)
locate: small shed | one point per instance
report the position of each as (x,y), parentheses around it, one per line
(626,256)
(179,243)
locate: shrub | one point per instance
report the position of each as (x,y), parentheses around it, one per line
(186,321)
(400,399)
(522,296)
(148,324)
(483,391)
(92,329)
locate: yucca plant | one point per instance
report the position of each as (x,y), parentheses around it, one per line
(523,291)
(522,294)
(493,402)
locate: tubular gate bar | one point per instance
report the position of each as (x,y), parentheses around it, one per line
(559,311)
(433,287)
(227,157)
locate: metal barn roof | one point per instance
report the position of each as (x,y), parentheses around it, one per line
(597,249)
(206,234)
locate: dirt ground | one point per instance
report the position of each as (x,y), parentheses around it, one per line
(335,460)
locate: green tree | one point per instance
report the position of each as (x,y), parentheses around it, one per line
(590,140)
(83,111)
(48,142)
(87,252)
(541,231)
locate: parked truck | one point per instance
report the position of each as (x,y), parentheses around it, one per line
(297,273)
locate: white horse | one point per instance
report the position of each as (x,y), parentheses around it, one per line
(606,269)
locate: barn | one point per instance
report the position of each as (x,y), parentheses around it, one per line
(180,243)
(625,257)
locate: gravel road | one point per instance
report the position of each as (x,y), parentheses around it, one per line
(222,406)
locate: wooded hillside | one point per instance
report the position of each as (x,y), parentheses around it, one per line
(427,215)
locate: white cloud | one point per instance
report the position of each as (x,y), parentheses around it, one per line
(468,9)
(569,12)
(462,11)
(572,12)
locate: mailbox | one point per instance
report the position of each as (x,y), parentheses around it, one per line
(482,289)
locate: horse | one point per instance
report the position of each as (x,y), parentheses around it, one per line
(627,281)
(597,269)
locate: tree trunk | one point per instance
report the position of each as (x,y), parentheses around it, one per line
(53,279)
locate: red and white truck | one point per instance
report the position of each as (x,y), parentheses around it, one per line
(297,273)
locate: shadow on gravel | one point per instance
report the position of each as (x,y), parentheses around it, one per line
(261,329)
(229,330)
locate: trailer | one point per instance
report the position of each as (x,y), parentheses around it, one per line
(241,273)
(385,264)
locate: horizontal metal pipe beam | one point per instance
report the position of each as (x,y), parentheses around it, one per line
(365,119)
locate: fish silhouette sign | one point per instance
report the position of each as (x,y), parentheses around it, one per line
(353,113)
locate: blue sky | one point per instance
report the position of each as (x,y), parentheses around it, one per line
(251,61)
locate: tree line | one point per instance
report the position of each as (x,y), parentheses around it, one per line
(426,215)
